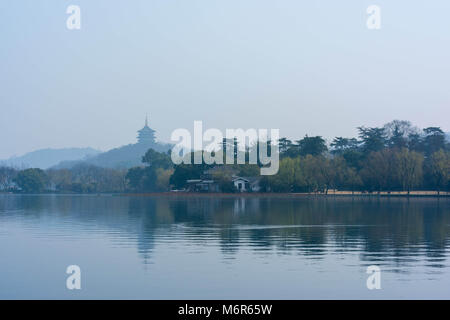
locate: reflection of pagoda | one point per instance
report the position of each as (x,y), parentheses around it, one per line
(146,134)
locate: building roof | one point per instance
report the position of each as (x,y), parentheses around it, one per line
(247,179)
(239,178)
(200,181)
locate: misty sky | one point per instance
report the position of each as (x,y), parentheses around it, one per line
(300,66)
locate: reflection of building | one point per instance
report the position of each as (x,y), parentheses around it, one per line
(239,205)
(146,134)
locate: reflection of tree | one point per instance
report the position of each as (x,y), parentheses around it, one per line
(143,212)
(396,231)
(391,229)
(229,241)
(436,228)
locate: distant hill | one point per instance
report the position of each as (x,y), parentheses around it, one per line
(124,157)
(119,158)
(447,135)
(46,158)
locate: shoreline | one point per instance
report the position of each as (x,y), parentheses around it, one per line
(342,194)
(285,195)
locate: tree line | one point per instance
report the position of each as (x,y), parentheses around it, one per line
(395,157)
(82,178)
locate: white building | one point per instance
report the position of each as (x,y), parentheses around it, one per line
(246,184)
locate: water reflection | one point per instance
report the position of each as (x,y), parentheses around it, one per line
(394,233)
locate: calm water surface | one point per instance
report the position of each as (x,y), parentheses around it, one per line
(220,248)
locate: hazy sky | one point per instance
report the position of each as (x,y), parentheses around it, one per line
(300,66)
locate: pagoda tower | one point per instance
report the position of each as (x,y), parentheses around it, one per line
(146,134)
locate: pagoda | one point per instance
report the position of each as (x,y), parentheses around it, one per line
(146,134)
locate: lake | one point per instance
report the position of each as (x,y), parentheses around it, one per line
(199,247)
